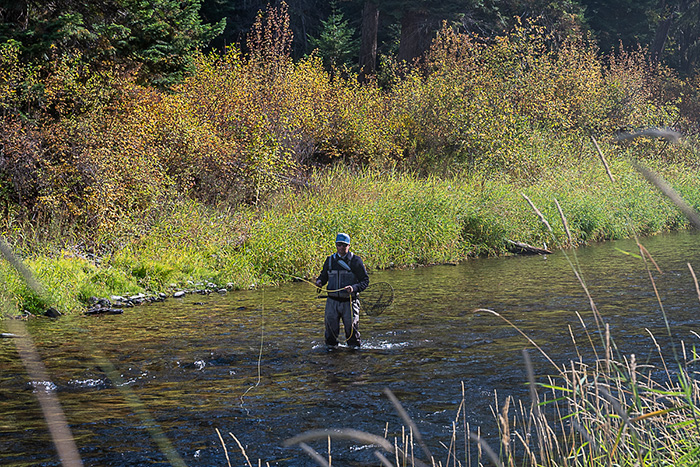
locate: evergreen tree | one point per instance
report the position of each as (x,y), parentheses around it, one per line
(336,43)
(159,37)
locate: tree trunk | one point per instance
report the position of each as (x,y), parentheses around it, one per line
(659,43)
(414,35)
(368,44)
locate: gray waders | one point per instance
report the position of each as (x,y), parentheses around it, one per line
(349,313)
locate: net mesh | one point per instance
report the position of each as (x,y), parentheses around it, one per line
(376,298)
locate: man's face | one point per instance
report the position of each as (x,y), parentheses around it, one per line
(342,248)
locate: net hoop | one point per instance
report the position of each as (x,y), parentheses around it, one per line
(376,298)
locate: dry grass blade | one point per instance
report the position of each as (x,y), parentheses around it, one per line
(50,406)
(594,308)
(228,461)
(341,433)
(695,280)
(669,135)
(566,224)
(382,458)
(240,446)
(522,334)
(602,158)
(407,419)
(314,455)
(531,379)
(655,413)
(622,413)
(645,252)
(584,433)
(608,349)
(487,449)
(658,350)
(539,214)
(20,267)
(614,403)
(670,193)
(504,423)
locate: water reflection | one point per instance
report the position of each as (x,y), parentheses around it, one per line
(253,364)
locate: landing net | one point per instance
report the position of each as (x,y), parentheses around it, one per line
(376,298)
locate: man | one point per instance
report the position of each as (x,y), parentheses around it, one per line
(346,276)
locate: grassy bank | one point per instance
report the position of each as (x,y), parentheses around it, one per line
(395,220)
(112,187)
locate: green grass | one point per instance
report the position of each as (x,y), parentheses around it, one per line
(395,220)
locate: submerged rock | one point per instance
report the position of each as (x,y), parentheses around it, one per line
(97,310)
(52,313)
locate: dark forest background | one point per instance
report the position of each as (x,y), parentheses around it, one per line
(159,36)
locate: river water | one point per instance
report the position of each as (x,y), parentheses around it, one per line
(253,363)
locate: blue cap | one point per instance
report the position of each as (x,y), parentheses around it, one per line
(342,238)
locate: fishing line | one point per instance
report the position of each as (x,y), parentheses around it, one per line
(262,340)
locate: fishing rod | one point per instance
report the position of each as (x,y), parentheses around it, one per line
(374,300)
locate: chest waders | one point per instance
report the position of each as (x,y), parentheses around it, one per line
(341,306)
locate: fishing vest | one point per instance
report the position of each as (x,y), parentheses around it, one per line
(339,278)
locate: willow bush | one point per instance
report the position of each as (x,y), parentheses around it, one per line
(97,161)
(98,146)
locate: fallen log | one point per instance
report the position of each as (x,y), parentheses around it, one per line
(525,249)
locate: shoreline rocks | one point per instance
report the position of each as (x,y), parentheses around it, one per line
(115,304)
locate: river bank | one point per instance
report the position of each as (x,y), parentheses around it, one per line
(395,220)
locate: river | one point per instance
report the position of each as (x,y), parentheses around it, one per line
(253,363)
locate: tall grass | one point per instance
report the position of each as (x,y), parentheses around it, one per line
(395,220)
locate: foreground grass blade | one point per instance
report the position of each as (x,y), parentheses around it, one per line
(670,193)
(50,406)
(404,415)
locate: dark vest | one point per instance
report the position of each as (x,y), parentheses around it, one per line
(340,277)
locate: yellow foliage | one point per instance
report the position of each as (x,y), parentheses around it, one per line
(100,147)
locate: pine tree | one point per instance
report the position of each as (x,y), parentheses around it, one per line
(336,44)
(159,37)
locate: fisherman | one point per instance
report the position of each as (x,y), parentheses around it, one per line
(346,276)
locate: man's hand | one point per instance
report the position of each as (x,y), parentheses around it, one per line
(348,288)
